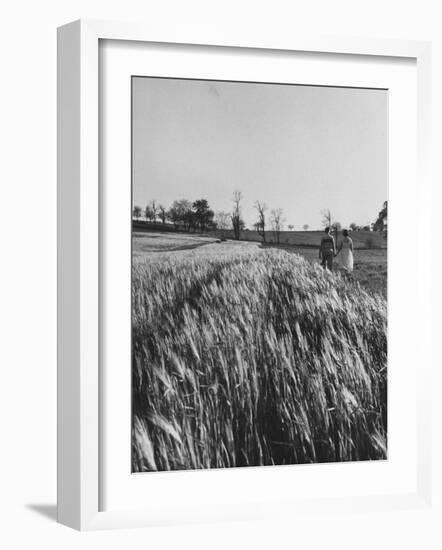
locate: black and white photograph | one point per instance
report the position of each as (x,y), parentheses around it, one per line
(259,274)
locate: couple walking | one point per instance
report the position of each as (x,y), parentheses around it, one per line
(328,251)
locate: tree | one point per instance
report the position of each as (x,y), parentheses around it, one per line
(179,212)
(326,218)
(260,225)
(305,227)
(327,221)
(154,209)
(202,214)
(237,222)
(353,226)
(189,220)
(222,220)
(162,213)
(148,214)
(381,222)
(291,227)
(137,212)
(277,220)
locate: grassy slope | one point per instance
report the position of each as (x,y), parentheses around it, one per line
(254,358)
(370,265)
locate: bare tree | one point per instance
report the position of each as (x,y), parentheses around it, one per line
(276,217)
(154,207)
(137,212)
(327,221)
(162,213)
(237,222)
(260,225)
(222,220)
(326,218)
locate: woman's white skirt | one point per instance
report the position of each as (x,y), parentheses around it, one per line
(346,259)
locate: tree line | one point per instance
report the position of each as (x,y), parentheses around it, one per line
(195,215)
(198,216)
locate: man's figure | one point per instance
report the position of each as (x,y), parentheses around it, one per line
(327,250)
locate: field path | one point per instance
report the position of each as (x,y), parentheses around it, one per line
(152,246)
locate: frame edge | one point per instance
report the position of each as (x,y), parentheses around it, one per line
(68,276)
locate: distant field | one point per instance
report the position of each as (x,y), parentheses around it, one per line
(153,247)
(145,243)
(361,239)
(244,355)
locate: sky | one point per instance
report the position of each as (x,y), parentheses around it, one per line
(300,148)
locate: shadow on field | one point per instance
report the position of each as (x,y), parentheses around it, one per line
(182,247)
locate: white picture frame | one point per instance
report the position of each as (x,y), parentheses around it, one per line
(79,276)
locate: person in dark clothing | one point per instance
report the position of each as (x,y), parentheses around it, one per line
(327,250)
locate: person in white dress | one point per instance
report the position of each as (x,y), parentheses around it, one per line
(346,251)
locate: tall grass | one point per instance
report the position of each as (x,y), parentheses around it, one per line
(258,359)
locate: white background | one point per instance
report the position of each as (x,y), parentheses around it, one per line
(28,267)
